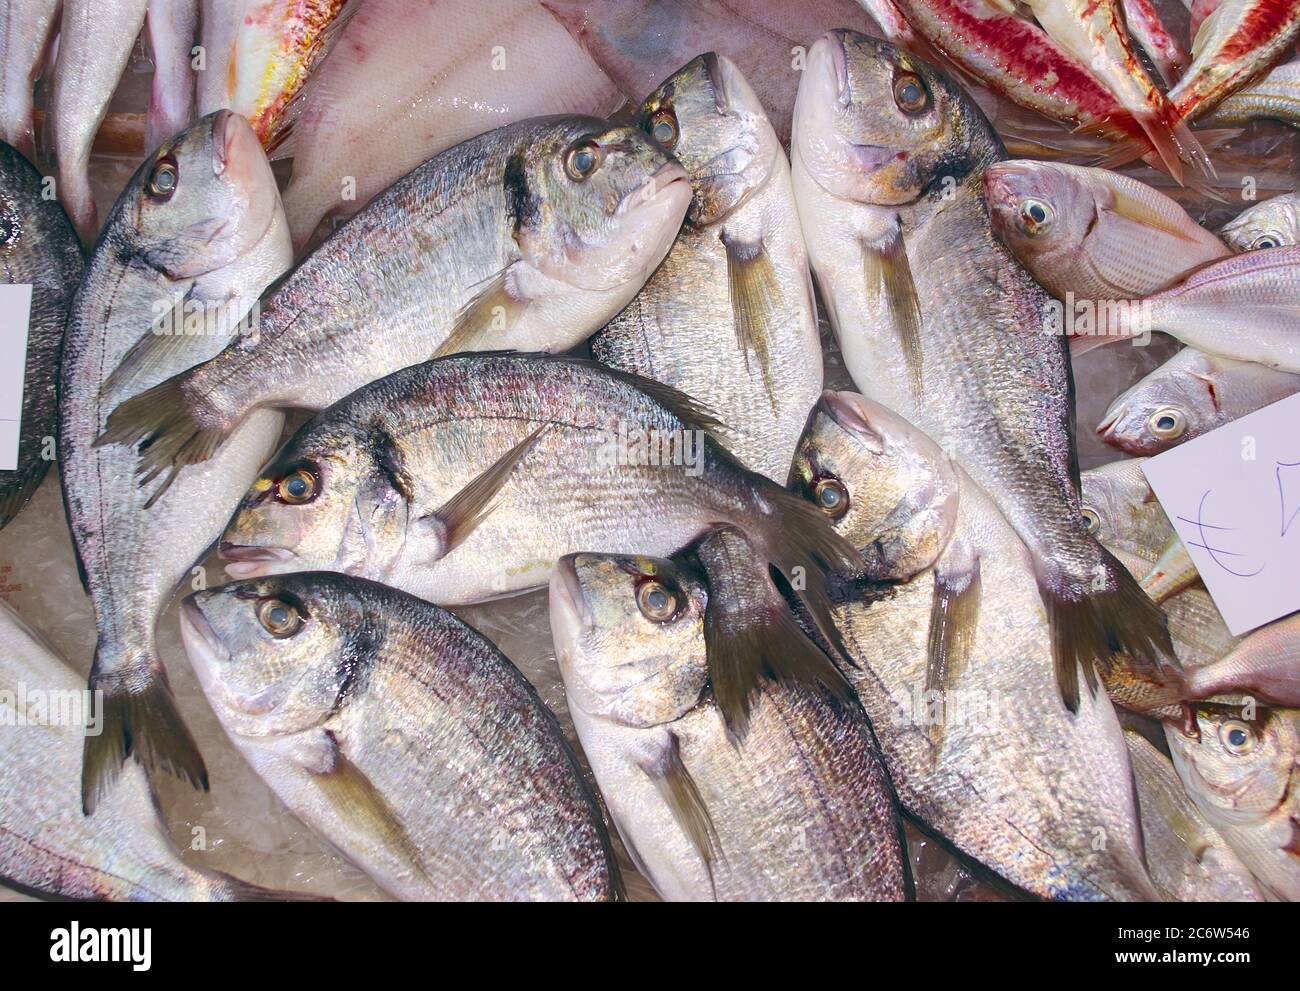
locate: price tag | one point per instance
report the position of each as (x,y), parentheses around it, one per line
(15,311)
(1233,496)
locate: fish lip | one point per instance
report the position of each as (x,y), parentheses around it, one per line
(840,63)
(566,587)
(228,551)
(844,412)
(197,631)
(223,134)
(654,187)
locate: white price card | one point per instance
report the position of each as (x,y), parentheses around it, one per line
(1233,496)
(15,311)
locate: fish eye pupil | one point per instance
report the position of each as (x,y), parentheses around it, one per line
(1266,242)
(1165,423)
(657,599)
(297,487)
(1237,737)
(278,615)
(830,497)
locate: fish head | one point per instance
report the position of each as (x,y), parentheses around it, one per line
(1042,213)
(1111,496)
(1274,223)
(1238,769)
(1161,411)
(595,205)
(202,200)
(886,486)
(876,125)
(709,118)
(629,636)
(276,655)
(331,499)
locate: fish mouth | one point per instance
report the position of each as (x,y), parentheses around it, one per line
(568,598)
(204,647)
(251,561)
(1000,186)
(844,410)
(670,178)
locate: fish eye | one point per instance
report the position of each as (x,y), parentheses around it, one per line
(1167,424)
(1091,519)
(281,619)
(831,496)
(656,601)
(1238,738)
(1036,216)
(297,487)
(910,93)
(164,179)
(1264,242)
(582,160)
(663,128)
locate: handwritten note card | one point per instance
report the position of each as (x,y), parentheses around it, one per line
(15,310)
(1233,495)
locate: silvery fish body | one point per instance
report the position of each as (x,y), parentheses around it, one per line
(802,810)
(26,29)
(728,318)
(193,239)
(38,247)
(1275,223)
(403,737)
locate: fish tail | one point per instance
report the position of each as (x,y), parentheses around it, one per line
(226,888)
(1103,620)
(164,430)
(137,718)
(1160,135)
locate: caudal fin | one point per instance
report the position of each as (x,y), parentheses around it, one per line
(135,716)
(164,429)
(1108,622)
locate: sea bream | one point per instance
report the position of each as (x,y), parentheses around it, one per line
(38,247)
(529,237)
(466,478)
(403,737)
(728,318)
(192,241)
(1274,223)
(954,667)
(940,323)
(803,811)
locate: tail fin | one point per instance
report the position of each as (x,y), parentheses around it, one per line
(750,632)
(139,719)
(168,435)
(226,888)
(1109,622)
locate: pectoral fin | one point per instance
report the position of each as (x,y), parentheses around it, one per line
(954,616)
(755,303)
(156,348)
(889,275)
(678,790)
(492,312)
(469,507)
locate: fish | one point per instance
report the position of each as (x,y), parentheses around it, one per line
(1189,395)
(640,43)
(1265,665)
(1017,59)
(1092,234)
(1190,861)
(95,44)
(195,237)
(38,247)
(1275,96)
(404,82)
(1094,32)
(1120,509)
(1199,10)
(1167,53)
(1241,773)
(1241,307)
(729,317)
(1235,45)
(27,29)
(978,754)
(403,737)
(1275,223)
(804,811)
(937,321)
(529,237)
(47,846)
(260,53)
(466,478)
(172,26)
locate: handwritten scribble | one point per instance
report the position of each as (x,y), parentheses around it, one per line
(1281,494)
(1204,544)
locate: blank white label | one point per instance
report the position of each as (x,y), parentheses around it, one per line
(15,311)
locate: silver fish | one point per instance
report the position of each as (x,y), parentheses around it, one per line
(802,811)
(954,668)
(193,239)
(1275,223)
(38,247)
(1190,861)
(938,322)
(27,28)
(1275,96)
(1244,776)
(728,318)
(171,26)
(530,237)
(95,43)
(47,845)
(402,736)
